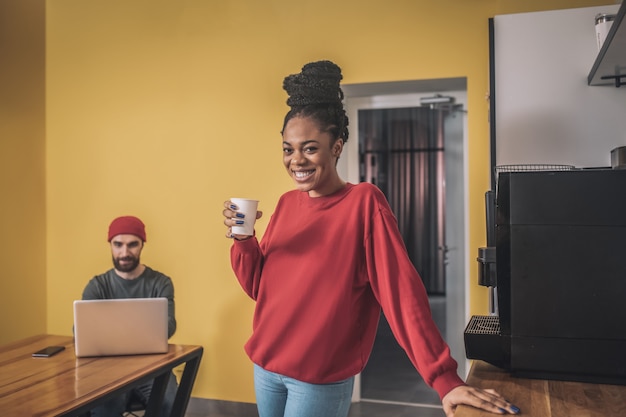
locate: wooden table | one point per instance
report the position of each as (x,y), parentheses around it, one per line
(64,385)
(544,398)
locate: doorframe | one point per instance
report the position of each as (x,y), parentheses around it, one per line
(408,94)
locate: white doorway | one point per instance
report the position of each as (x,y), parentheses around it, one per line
(408,94)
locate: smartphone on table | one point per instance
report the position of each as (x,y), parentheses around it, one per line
(48,351)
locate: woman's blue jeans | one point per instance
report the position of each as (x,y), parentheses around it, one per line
(281,396)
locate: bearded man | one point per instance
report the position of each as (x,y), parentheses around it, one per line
(129,278)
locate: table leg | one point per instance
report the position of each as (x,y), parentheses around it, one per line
(184,388)
(156,395)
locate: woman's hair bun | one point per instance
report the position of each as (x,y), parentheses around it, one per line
(315,93)
(318,83)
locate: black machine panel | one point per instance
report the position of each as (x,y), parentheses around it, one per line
(561,275)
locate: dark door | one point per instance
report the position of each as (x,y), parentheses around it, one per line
(401,150)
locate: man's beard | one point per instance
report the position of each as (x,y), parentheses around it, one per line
(128,267)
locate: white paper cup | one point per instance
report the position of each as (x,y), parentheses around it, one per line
(248,208)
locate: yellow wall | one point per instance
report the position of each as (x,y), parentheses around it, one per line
(22,164)
(165,109)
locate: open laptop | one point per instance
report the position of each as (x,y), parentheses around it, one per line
(124,326)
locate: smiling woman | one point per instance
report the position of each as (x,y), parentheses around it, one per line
(310,156)
(315,129)
(331,257)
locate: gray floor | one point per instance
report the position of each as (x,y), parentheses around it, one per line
(390,385)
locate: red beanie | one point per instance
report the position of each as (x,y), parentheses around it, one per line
(127,225)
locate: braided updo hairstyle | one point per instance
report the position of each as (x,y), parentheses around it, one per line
(315,93)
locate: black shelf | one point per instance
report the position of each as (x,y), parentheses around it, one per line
(610,65)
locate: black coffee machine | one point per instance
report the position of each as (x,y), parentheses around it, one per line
(555,265)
